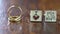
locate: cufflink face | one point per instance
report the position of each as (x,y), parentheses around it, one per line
(50,16)
(35,15)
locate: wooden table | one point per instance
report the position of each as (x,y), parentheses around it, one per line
(26,26)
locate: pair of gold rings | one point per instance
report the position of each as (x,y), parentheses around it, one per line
(14,18)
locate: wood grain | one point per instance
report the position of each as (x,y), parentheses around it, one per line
(27,26)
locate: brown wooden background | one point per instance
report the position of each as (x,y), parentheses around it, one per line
(27,26)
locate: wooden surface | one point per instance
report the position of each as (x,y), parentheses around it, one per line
(27,27)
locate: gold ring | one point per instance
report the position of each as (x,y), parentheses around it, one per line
(14,18)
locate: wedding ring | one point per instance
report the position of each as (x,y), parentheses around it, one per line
(14,18)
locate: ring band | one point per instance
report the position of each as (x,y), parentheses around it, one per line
(13,7)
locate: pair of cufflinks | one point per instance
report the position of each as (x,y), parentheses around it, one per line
(49,15)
